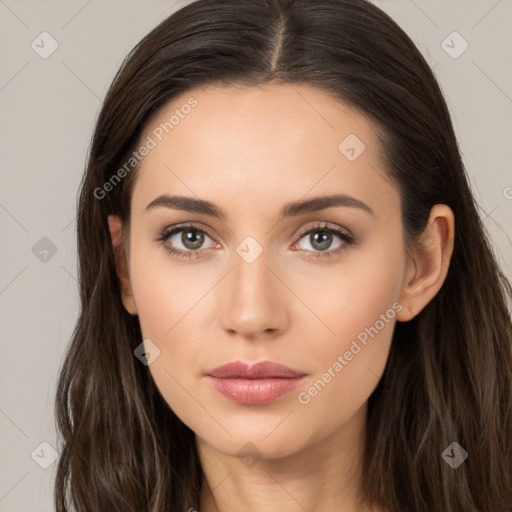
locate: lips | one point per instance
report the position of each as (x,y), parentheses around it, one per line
(262,370)
(254,384)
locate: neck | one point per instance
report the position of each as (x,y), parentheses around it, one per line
(325,475)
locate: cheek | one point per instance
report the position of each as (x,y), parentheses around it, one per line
(166,305)
(172,300)
(352,294)
(164,292)
(357,303)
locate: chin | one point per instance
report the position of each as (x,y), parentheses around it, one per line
(255,444)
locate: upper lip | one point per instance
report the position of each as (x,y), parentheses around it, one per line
(261,370)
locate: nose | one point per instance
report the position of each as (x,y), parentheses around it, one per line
(253,300)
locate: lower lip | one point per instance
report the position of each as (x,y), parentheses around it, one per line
(254,391)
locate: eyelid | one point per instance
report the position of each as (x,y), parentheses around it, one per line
(304,230)
(182,226)
(323,225)
(342,233)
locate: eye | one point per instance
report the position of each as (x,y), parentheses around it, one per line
(320,238)
(190,237)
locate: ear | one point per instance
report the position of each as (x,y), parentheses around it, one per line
(428,267)
(115,226)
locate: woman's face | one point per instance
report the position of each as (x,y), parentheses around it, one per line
(251,285)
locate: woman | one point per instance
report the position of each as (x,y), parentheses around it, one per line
(289,301)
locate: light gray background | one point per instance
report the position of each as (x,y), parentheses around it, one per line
(48,109)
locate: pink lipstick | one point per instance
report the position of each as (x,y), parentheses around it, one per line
(254,384)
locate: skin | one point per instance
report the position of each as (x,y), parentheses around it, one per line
(250,151)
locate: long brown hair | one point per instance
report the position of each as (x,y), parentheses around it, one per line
(449,373)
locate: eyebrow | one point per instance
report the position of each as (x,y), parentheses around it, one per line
(293,208)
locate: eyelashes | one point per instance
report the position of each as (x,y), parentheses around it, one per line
(345,238)
(169,232)
(343,235)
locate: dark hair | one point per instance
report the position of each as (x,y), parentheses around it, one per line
(449,372)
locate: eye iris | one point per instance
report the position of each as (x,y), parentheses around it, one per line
(192,239)
(322,238)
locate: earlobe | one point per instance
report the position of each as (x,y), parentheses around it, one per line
(430,262)
(115,227)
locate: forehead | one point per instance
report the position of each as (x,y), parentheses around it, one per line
(275,141)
